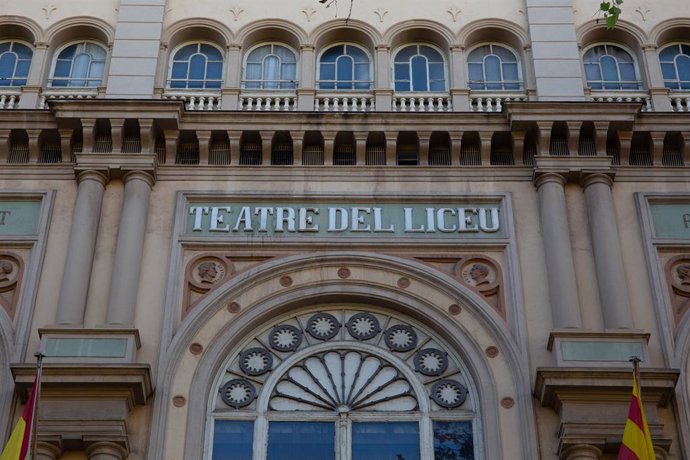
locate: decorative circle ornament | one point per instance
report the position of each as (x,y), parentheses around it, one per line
(323,326)
(179,401)
(449,393)
(196,348)
(255,361)
(285,281)
(507,402)
(401,338)
(285,338)
(237,393)
(454,309)
(363,326)
(431,361)
(344,272)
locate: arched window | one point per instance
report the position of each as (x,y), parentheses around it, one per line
(419,68)
(343,383)
(493,68)
(344,67)
(15,59)
(79,65)
(610,67)
(271,67)
(196,66)
(675,66)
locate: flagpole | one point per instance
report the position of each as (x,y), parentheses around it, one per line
(34,419)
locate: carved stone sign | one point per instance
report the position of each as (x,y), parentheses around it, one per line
(19,217)
(447,220)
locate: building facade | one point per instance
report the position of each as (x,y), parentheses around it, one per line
(344,231)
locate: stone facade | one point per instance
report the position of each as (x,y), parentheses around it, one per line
(221,220)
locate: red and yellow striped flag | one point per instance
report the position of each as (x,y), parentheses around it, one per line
(17,446)
(637,442)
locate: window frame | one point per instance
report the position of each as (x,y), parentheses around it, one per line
(620,83)
(261,82)
(335,82)
(520,82)
(28,72)
(425,415)
(171,63)
(56,55)
(677,82)
(444,61)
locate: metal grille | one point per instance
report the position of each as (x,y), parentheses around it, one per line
(559,145)
(219,152)
(502,157)
(50,152)
(470,153)
(160,149)
(407,155)
(250,153)
(613,150)
(586,145)
(640,154)
(19,151)
(344,155)
(131,143)
(312,155)
(187,152)
(672,154)
(439,156)
(281,154)
(103,144)
(375,155)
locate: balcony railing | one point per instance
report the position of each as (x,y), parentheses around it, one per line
(9,98)
(623,96)
(680,102)
(493,102)
(344,102)
(198,100)
(66,93)
(268,101)
(422,102)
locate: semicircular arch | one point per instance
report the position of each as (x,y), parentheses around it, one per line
(197,29)
(373,280)
(493,30)
(79,28)
(419,30)
(339,30)
(21,28)
(271,30)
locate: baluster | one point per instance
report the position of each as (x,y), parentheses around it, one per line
(267,104)
(201,103)
(684,101)
(403,104)
(42,103)
(372,104)
(439,103)
(346,102)
(212,102)
(499,105)
(250,103)
(676,104)
(327,104)
(259,104)
(192,104)
(480,104)
(336,104)
(316,104)
(648,105)
(430,104)
(413,104)
(422,107)
(489,104)
(363,104)
(10,104)
(2,101)
(286,103)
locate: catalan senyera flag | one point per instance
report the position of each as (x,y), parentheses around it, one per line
(17,447)
(637,442)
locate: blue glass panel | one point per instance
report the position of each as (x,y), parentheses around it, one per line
(80,70)
(259,53)
(4,47)
(327,72)
(344,69)
(504,54)
(59,83)
(68,53)
(402,71)
(437,85)
(362,72)
(683,63)
(214,70)
(668,70)
(22,69)
(289,71)
(405,54)
(685,49)
(332,53)
(232,439)
(185,52)
(211,53)
(301,441)
(476,74)
(492,67)
(453,441)
(668,53)
(420,78)
(23,51)
(431,54)
(212,84)
(609,69)
(197,67)
(62,68)
(326,85)
(7,63)
(357,54)
(271,71)
(477,55)
(179,70)
(436,71)
(385,441)
(96,71)
(402,85)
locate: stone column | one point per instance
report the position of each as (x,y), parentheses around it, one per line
(659,93)
(103,450)
(47,451)
(560,270)
(124,283)
(459,91)
(613,290)
(581,452)
(81,247)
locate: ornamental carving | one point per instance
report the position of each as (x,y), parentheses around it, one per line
(678,279)
(482,275)
(11,273)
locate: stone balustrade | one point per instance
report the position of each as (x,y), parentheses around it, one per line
(268,102)
(422,102)
(680,102)
(201,101)
(344,102)
(623,96)
(493,102)
(9,99)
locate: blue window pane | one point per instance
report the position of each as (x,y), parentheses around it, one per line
(179,70)
(332,54)
(668,71)
(211,53)
(476,74)
(362,72)
(23,51)
(197,67)
(4,47)
(453,441)
(609,69)
(402,71)
(232,439)
(271,70)
(290,71)
(492,67)
(326,85)
(214,70)
(668,53)
(344,69)
(405,54)
(185,52)
(437,86)
(436,71)
(68,53)
(430,53)
(7,63)
(685,49)
(22,69)
(301,441)
(402,85)
(327,72)
(419,74)
(357,54)
(385,441)
(683,63)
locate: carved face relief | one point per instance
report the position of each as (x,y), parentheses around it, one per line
(478,274)
(208,272)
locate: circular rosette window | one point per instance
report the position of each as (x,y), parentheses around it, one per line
(449,393)
(237,393)
(363,326)
(285,338)
(401,338)
(431,361)
(323,326)
(255,361)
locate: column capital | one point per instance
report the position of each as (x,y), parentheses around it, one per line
(581,452)
(550,177)
(596,178)
(307,47)
(143,176)
(92,174)
(382,47)
(102,450)
(48,450)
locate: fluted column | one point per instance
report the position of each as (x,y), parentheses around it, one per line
(81,247)
(560,269)
(124,283)
(613,290)
(581,452)
(104,450)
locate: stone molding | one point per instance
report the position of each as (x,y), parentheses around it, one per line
(116,165)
